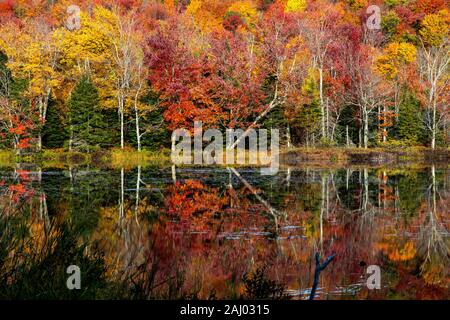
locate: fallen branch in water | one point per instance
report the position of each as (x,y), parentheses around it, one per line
(319,269)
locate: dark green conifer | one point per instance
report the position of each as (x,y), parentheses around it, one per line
(410,126)
(88,128)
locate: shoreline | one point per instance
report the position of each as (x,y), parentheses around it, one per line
(368,157)
(295,157)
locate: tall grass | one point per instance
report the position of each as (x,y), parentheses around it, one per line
(131,158)
(7,158)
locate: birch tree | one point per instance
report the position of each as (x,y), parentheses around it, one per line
(33,56)
(434,59)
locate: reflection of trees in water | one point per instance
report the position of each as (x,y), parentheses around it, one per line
(185,238)
(433,246)
(37,245)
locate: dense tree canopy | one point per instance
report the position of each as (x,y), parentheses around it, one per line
(312,68)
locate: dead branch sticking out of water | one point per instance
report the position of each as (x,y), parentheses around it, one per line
(319,268)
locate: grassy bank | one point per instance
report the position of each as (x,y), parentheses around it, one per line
(6,158)
(373,156)
(130,158)
(114,158)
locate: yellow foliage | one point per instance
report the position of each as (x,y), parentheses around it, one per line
(300,57)
(246,9)
(435,273)
(88,50)
(31,55)
(295,42)
(435,27)
(396,252)
(309,86)
(295,6)
(394,55)
(208,14)
(358,4)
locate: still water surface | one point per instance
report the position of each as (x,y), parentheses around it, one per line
(151,232)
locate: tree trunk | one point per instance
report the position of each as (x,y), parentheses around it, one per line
(121,130)
(39,139)
(288,136)
(365,200)
(272,105)
(173,144)
(433,188)
(39,142)
(384,123)
(322,209)
(174,174)
(346,137)
(121,119)
(327,119)
(136,114)
(360,136)
(138,134)
(322,107)
(138,186)
(434,127)
(366,128)
(288,176)
(43,104)
(319,268)
(122,194)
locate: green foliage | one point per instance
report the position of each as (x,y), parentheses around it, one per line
(157,135)
(410,126)
(394,144)
(441,137)
(441,130)
(410,192)
(4,75)
(112,134)
(54,132)
(13,89)
(389,23)
(347,120)
(88,128)
(92,121)
(84,208)
(325,142)
(391,3)
(258,287)
(307,119)
(275,119)
(44,277)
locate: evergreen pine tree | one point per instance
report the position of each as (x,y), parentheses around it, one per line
(275,119)
(54,132)
(12,89)
(307,120)
(5,78)
(410,127)
(87,124)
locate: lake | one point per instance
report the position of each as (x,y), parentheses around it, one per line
(224,233)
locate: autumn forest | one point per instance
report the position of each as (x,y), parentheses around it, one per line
(317,70)
(91,92)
